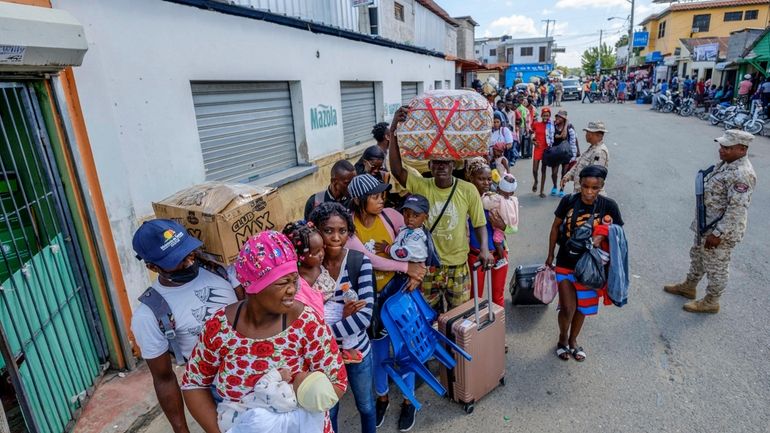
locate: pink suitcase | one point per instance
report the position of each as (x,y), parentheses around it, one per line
(480,331)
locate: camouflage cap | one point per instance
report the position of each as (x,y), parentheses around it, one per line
(732,137)
(597,126)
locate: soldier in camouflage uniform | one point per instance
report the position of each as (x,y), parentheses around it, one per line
(726,197)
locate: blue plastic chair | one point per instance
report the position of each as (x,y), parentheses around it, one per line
(407,317)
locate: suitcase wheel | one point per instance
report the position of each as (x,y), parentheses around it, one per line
(468,408)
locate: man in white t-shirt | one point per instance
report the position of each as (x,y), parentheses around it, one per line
(193,295)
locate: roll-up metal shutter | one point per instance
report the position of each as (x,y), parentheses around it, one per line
(408,91)
(358,112)
(246,129)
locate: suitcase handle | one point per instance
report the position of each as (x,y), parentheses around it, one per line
(475,292)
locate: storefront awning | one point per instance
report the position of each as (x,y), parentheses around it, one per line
(36,39)
(721,66)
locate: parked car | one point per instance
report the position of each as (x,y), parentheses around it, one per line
(571,89)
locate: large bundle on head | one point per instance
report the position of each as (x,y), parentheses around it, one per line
(446,124)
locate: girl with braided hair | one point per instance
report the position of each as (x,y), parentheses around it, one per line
(309,245)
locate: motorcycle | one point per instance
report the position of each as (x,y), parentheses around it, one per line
(688,107)
(674,103)
(665,102)
(720,112)
(748,121)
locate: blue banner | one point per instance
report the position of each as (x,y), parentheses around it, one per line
(526,71)
(641,39)
(654,57)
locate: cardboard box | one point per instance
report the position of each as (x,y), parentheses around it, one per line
(223,215)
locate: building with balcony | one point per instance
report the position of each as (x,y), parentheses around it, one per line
(700,20)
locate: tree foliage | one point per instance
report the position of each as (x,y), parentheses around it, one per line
(622,41)
(588,59)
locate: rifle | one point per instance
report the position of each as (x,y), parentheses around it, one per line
(700,207)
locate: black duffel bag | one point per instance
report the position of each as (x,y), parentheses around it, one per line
(558,154)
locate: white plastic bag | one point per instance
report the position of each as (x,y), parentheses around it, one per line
(546,287)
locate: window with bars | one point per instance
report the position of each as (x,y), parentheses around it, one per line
(733,16)
(398,10)
(751,15)
(527,51)
(661,29)
(493,51)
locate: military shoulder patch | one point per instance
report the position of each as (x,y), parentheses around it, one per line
(740,187)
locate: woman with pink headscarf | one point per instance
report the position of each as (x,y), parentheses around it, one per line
(268,330)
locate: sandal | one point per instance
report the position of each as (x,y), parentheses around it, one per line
(579,354)
(542,195)
(534,187)
(562,352)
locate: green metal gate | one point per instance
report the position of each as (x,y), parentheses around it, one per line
(50,335)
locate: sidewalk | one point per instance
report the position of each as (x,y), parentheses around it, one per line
(125,402)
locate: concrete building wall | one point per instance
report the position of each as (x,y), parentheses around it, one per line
(518,58)
(134,88)
(393,29)
(465,37)
(486,50)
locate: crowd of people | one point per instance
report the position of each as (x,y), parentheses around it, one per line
(274,341)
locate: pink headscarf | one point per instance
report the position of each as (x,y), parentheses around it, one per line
(264,259)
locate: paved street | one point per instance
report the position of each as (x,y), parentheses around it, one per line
(651,366)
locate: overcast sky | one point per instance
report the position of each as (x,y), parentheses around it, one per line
(577,21)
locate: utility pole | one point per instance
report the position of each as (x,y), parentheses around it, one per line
(548,25)
(599,54)
(600,42)
(630,38)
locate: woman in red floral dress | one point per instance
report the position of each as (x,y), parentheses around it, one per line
(267,330)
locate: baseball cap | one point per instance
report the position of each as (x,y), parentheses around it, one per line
(366,184)
(164,243)
(731,137)
(417,203)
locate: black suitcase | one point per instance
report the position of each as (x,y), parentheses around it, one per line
(523,284)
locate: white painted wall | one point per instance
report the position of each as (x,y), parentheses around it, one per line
(134,87)
(518,59)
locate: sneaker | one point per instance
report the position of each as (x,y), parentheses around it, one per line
(406,419)
(380,408)
(500,263)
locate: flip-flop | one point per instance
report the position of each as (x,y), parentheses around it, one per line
(542,195)
(562,352)
(554,192)
(578,354)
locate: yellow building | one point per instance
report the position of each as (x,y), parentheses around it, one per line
(702,19)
